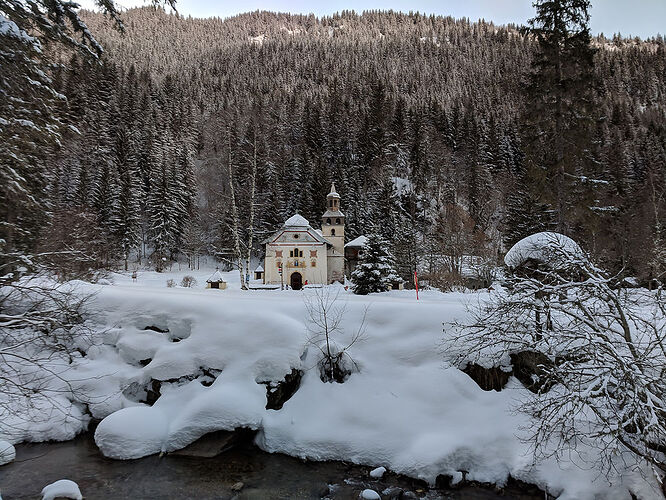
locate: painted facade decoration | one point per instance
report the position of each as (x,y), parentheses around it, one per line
(298,254)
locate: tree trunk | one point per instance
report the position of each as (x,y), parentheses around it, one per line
(250,229)
(234,214)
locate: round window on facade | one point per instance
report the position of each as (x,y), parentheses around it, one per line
(296,236)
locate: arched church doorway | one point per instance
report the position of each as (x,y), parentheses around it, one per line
(296,281)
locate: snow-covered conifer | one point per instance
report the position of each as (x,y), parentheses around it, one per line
(375,271)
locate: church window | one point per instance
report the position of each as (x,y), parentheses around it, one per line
(337,221)
(332,232)
(278,253)
(313,253)
(328,220)
(296,236)
(313,263)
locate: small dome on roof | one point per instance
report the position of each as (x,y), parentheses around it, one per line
(553,249)
(296,220)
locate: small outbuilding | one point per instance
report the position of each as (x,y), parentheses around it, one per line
(259,273)
(216,281)
(353,252)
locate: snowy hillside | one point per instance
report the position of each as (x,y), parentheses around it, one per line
(405,409)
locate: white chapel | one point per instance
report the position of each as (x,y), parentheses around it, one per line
(297,254)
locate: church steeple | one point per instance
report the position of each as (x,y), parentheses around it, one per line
(333,220)
(333,200)
(333,229)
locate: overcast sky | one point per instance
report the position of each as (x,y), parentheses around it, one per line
(642,18)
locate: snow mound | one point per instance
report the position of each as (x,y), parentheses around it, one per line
(378,473)
(549,248)
(296,220)
(370,495)
(7,452)
(62,489)
(132,433)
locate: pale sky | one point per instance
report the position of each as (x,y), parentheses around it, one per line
(642,18)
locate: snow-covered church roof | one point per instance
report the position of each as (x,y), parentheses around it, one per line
(259,269)
(546,247)
(216,277)
(357,242)
(296,220)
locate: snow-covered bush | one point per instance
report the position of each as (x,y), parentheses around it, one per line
(41,332)
(188,282)
(375,271)
(325,315)
(170,283)
(602,349)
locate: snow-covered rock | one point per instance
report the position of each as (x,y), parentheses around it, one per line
(370,495)
(63,488)
(378,472)
(132,433)
(549,248)
(7,452)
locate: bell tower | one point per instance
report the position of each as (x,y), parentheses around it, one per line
(333,229)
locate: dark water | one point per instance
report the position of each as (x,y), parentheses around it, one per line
(264,476)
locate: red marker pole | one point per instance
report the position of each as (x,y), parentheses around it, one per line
(416,282)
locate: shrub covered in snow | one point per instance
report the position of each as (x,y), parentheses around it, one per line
(600,355)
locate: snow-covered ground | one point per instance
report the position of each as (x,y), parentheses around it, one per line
(405,409)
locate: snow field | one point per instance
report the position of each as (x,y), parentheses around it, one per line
(405,410)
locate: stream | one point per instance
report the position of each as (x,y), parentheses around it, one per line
(263,476)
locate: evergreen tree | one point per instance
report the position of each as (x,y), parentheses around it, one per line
(559,100)
(375,271)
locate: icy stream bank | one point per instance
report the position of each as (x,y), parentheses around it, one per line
(263,476)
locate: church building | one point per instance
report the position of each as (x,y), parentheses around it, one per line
(298,254)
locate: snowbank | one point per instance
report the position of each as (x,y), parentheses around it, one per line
(405,409)
(547,247)
(7,452)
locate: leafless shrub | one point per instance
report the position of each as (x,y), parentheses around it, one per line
(42,332)
(170,283)
(324,317)
(188,282)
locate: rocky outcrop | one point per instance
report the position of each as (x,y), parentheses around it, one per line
(279,392)
(489,379)
(215,443)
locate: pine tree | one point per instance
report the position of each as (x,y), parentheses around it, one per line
(375,271)
(559,99)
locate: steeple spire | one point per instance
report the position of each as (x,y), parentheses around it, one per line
(333,192)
